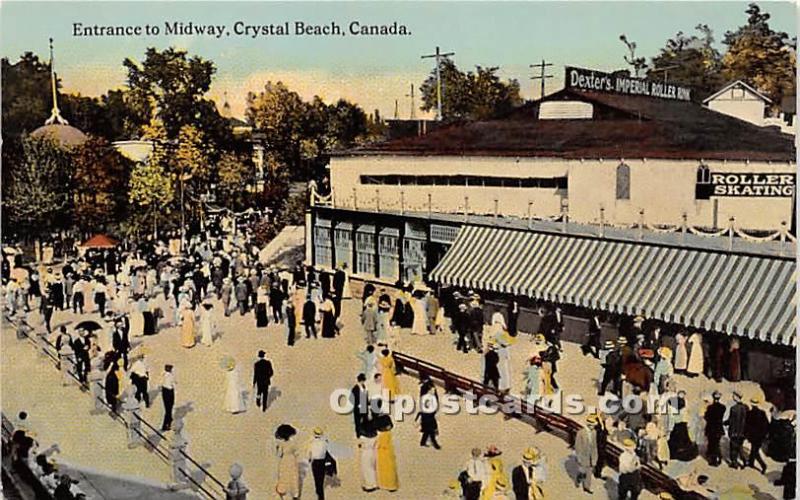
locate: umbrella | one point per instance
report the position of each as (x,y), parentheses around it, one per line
(284,432)
(88,325)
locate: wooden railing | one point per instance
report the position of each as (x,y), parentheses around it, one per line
(156,442)
(544,420)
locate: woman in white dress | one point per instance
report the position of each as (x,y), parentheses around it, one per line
(234,402)
(207,326)
(369,472)
(136,318)
(346,292)
(695,366)
(419,326)
(501,338)
(681,354)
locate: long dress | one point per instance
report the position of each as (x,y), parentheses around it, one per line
(681,354)
(386,463)
(369,473)
(234,402)
(533,382)
(288,484)
(389,375)
(382,326)
(187,328)
(696,355)
(206,327)
(419,325)
(137,322)
(261,309)
(328,320)
(504,367)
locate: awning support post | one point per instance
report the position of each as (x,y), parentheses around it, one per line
(530,219)
(377,201)
(684,226)
(731,222)
(466,208)
(602,222)
(355,200)
(641,224)
(430,206)
(402,202)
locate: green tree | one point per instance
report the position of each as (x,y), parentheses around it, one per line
(690,60)
(234,172)
(25,93)
(478,95)
(100,183)
(173,85)
(151,187)
(38,193)
(761,56)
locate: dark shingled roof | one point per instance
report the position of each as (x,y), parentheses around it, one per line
(623,127)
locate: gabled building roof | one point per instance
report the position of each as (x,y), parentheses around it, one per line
(737,83)
(622,127)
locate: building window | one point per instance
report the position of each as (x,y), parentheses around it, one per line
(623,182)
(465,181)
(737,94)
(703,174)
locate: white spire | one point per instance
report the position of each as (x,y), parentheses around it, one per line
(55,115)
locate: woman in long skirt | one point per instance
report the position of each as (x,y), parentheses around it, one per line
(382,325)
(288,485)
(367,444)
(234,402)
(389,373)
(419,325)
(207,326)
(328,319)
(696,363)
(386,462)
(681,354)
(261,307)
(187,327)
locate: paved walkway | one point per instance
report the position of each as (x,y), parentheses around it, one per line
(306,374)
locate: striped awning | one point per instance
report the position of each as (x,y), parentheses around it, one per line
(743,295)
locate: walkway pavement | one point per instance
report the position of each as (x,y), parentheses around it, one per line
(306,375)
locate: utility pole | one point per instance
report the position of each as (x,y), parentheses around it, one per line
(396,114)
(665,70)
(413,115)
(438,56)
(542,76)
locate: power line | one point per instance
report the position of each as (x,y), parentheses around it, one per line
(438,55)
(542,76)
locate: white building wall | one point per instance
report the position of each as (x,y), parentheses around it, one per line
(664,189)
(739,103)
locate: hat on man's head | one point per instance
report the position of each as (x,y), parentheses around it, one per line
(629,444)
(318,431)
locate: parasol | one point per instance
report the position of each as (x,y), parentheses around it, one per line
(89,326)
(284,432)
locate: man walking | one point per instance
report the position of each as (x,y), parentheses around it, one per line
(262,375)
(369,320)
(140,375)
(310,317)
(630,478)
(476,322)
(360,401)
(167,396)
(737,418)
(491,372)
(714,416)
(756,429)
(318,456)
(586,452)
(429,403)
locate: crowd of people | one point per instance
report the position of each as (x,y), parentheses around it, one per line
(135,293)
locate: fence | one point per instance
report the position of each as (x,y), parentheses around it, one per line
(559,425)
(214,491)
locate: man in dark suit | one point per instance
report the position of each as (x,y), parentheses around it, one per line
(714,416)
(310,317)
(262,374)
(360,402)
(612,374)
(756,430)
(491,372)
(339,278)
(737,420)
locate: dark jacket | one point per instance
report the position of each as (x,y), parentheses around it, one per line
(476,318)
(756,425)
(491,359)
(520,483)
(737,418)
(309,312)
(262,372)
(715,414)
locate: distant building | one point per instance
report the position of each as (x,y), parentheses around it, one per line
(740,100)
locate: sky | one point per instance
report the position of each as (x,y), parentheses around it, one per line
(371,71)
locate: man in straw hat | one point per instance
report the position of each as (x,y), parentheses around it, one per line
(630,479)
(527,478)
(586,452)
(612,372)
(476,321)
(319,457)
(756,429)
(474,475)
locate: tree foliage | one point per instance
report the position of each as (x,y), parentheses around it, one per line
(25,94)
(760,56)
(234,172)
(100,183)
(477,95)
(690,60)
(172,85)
(39,190)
